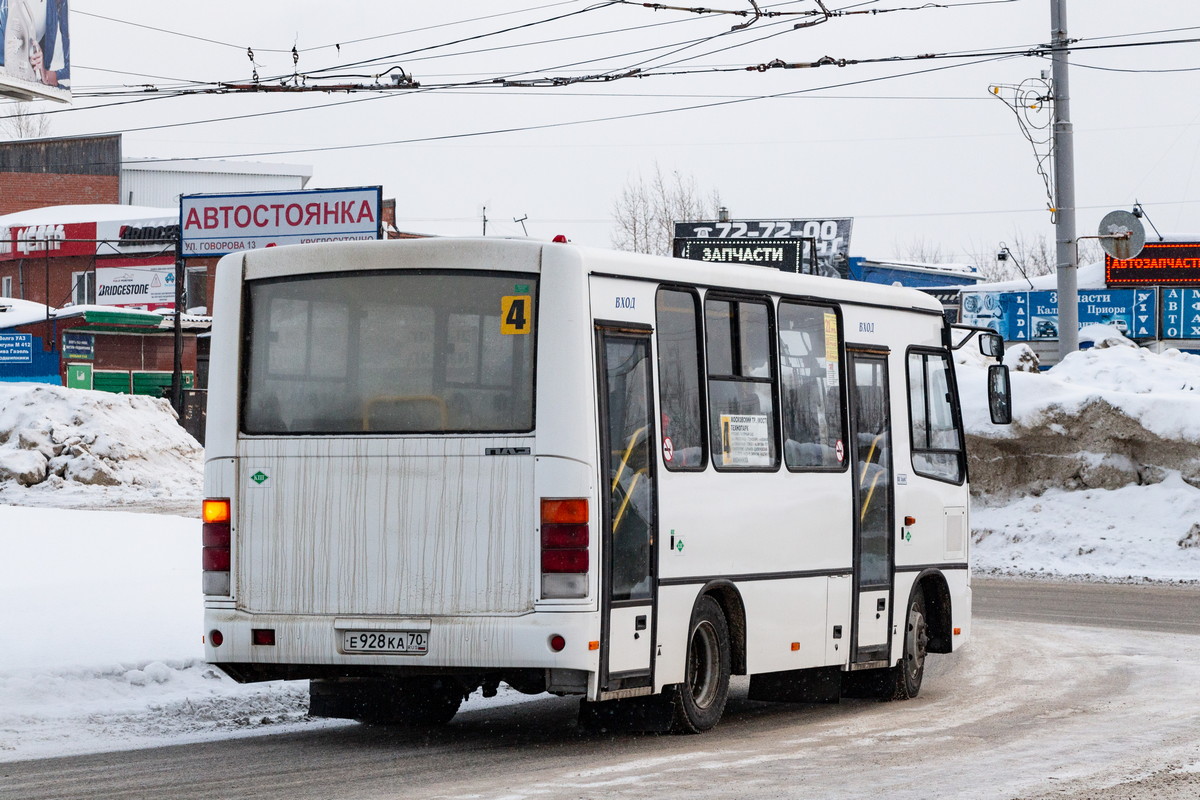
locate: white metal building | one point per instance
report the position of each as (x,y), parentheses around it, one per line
(158,183)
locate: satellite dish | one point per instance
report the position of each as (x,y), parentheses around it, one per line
(1122,235)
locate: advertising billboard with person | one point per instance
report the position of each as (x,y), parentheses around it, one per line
(35,60)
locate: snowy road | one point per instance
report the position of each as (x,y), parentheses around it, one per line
(1029,710)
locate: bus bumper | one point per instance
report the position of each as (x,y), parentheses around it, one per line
(316,646)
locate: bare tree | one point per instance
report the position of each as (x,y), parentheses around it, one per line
(20,121)
(646,210)
(1036,255)
(1025,256)
(1090,252)
(920,250)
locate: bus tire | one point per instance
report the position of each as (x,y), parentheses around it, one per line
(911,669)
(700,700)
(414,702)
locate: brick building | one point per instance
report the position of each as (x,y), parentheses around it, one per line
(82,268)
(83,294)
(50,172)
(87,278)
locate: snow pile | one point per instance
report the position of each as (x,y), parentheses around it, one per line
(1098,475)
(1102,419)
(69,446)
(51,712)
(1131,534)
(105,652)
(101,648)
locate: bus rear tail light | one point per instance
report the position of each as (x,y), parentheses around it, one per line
(215,555)
(565,555)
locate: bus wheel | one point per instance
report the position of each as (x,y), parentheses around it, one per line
(700,699)
(911,668)
(414,702)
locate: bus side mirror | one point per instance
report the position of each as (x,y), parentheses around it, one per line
(991,345)
(999,395)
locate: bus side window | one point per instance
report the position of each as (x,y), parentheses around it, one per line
(680,396)
(937,440)
(810,376)
(741,384)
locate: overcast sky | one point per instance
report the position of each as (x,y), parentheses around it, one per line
(914,150)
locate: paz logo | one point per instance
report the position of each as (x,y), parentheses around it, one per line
(679,545)
(259,477)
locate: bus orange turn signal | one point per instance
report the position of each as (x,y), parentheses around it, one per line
(215,510)
(565,511)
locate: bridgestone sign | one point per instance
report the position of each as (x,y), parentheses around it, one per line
(147,283)
(215,225)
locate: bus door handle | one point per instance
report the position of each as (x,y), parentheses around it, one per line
(639,623)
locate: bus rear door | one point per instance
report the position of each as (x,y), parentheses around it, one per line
(628,509)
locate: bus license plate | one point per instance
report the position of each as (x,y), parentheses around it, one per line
(413,643)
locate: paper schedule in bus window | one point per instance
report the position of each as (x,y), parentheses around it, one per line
(745,440)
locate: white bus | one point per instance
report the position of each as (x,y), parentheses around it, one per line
(436,465)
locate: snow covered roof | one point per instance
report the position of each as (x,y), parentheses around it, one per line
(189,321)
(219,167)
(958,269)
(112,315)
(1089,277)
(14,312)
(1189,238)
(97,212)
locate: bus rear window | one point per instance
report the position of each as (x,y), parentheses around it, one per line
(389,352)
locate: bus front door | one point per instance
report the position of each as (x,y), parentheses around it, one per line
(870,419)
(629,511)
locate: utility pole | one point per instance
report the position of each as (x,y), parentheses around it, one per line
(1067,251)
(177,339)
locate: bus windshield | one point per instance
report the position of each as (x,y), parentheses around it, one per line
(389,353)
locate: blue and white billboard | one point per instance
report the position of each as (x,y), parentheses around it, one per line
(1030,316)
(16,348)
(1180,313)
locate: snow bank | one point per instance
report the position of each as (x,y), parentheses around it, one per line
(83,588)
(100,647)
(1098,474)
(53,712)
(1102,418)
(1129,534)
(67,446)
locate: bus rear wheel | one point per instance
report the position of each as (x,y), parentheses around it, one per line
(911,669)
(700,700)
(413,702)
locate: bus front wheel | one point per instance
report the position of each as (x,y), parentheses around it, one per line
(700,700)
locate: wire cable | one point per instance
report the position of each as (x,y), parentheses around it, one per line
(569,123)
(337,45)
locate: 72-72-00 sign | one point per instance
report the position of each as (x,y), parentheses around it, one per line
(830,237)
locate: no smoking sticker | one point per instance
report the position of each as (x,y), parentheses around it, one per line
(668,449)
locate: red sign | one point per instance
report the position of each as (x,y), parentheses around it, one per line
(217,224)
(33,241)
(1161,263)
